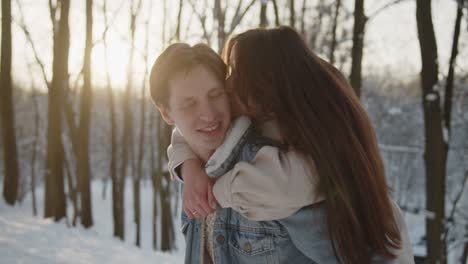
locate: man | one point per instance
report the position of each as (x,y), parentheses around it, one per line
(187,87)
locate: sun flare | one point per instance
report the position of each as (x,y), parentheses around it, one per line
(117,63)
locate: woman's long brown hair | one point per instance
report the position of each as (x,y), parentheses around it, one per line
(274,72)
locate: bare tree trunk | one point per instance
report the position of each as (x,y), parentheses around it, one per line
(34,152)
(292,14)
(316,28)
(331,55)
(219,15)
(464,257)
(34,143)
(263,17)
(159,177)
(116,206)
(303,12)
(69,114)
(451,71)
(358,44)
(127,122)
(55,203)
(167,223)
(435,154)
(179,20)
(10,184)
(136,176)
(45,79)
(105,182)
(83,168)
(275,8)
(123,168)
(113,124)
(72,189)
(167,236)
(36,107)
(154,180)
(136,206)
(139,174)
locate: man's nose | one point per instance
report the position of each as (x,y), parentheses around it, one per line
(208,112)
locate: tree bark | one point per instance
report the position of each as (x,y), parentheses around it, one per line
(113,127)
(303,15)
(358,45)
(10,155)
(464,256)
(219,15)
(179,20)
(34,152)
(451,71)
(127,122)
(292,14)
(435,153)
(275,8)
(263,17)
(55,203)
(139,167)
(72,189)
(34,143)
(317,28)
(154,180)
(167,235)
(83,167)
(331,55)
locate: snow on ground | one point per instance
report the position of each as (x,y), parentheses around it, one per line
(27,239)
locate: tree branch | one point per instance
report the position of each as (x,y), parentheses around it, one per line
(382,8)
(237,22)
(27,34)
(202,19)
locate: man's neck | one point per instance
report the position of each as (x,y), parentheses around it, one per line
(204,156)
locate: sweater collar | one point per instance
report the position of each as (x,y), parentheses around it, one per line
(235,132)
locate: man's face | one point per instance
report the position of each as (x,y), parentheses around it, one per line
(199,107)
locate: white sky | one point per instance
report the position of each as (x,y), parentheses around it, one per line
(391,37)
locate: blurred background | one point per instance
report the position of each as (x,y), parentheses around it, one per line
(83,145)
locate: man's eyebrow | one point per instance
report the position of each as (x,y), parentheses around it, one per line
(186,98)
(216,87)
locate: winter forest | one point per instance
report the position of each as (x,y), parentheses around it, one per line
(83,165)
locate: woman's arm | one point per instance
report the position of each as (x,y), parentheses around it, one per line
(178,152)
(197,194)
(273,186)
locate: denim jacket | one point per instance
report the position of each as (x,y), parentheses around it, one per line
(299,238)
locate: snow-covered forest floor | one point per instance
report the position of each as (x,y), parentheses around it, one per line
(27,239)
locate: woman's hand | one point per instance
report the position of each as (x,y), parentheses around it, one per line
(197,197)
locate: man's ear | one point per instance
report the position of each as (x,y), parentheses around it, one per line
(165,114)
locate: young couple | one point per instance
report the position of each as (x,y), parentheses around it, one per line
(279,160)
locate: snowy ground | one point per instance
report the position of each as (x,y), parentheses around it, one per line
(27,239)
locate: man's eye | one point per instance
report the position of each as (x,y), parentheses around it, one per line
(217,93)
(188,104)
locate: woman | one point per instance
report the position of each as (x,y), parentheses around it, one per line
(275,79)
